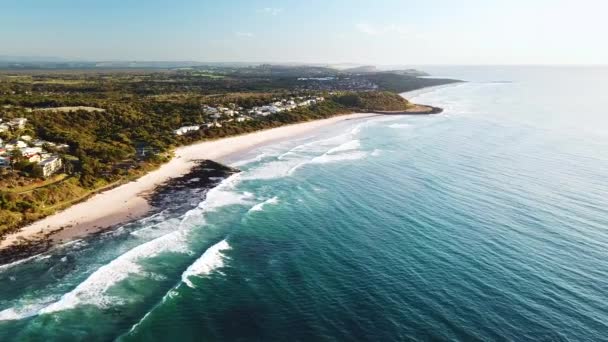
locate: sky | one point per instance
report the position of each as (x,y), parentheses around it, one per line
(381,32)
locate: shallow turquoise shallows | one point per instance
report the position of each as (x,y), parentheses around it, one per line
(487,222)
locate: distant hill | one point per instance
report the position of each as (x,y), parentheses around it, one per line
(408,72)
(362,69)
(371,69)
(146,64)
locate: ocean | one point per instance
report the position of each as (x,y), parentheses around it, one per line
(487,222)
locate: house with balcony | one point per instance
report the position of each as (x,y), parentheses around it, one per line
(50,165)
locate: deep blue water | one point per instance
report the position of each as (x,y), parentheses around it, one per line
(488,222)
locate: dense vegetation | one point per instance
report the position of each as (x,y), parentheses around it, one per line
(372,101)
(133,133)
(402,83)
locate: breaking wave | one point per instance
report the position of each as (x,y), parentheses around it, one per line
(25,309)
(212,259)
(332,158)
(400,125)
(260,206)
(376,153)
(337,148)
(347,146)
(255,159)
(94,290)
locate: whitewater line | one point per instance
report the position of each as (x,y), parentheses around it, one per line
(212,259)
(93,289)
(260,206)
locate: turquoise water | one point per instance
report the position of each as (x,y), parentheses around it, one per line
(488,222)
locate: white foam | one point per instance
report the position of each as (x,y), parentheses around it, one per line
(156,230)
(273,169)
(24,310)
(322,144)
(18,262)
(14,314)
(223,195)
(376,153)
(288,153)
(290,161)
(400,125)
(357,129)
(212,259)
(333,158)
(94,289)
(249,161)
(347,146)
(260,206)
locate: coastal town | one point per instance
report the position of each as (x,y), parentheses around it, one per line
(23,152)
(233,113)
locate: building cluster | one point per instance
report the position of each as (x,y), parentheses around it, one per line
(232,113)
(12,125)
(284,105)
(31,150)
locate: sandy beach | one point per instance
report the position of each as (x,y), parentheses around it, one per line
(128,201)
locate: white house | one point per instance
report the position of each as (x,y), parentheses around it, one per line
(50,165)
(18,123)
(31,150)
(15,144)
(209,110)
(212,124)
(186,129)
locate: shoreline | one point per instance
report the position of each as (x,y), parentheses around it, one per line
(415,110)
(131,201)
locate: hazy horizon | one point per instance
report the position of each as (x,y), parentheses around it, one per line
(347,64)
